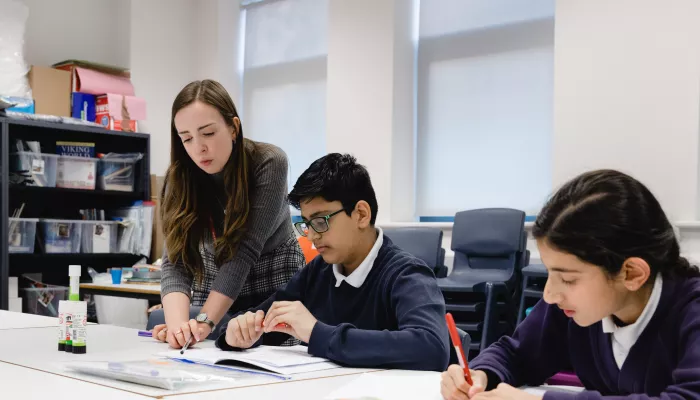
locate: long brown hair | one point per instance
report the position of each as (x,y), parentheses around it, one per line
(185,212)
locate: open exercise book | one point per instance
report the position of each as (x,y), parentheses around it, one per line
(284,360)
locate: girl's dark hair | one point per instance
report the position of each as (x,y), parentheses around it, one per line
(185,198)
(605,217)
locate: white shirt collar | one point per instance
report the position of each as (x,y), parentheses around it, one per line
(623,338)
(358,276)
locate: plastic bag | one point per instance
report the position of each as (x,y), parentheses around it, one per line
(13,69)
(167,373)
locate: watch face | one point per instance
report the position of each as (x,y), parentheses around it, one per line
(202,317)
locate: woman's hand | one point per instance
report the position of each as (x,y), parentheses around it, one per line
(189,329)
(454,386)
(506,392)
(160,332)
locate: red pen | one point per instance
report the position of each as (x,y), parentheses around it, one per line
(457,343)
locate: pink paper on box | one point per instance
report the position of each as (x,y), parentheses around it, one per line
(97,83)
(135,105)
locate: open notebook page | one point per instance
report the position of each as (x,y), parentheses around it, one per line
(284,360)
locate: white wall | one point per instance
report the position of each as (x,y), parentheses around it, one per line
(95,30)
(366,114)
(162,62)
(627,94)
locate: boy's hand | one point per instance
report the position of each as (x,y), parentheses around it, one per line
(290,317)
(454,386)
(244,330)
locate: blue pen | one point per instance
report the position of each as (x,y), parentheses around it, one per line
(145,334)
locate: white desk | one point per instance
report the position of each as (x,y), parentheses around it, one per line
(37,349)
(23,383)
(15,320)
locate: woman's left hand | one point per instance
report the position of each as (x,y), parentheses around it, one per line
(506,392)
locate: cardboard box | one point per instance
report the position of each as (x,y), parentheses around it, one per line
(71,65)
(158,239)
(120,113)
(51,90)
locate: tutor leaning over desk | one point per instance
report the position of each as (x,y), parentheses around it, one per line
(226,222)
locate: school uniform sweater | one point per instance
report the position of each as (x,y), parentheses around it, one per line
(394,319)
(664,363)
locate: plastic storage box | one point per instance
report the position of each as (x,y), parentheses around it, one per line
(22,232)
(40,168)
(61,236)
(76,172)
(99,237)
(43,301)
(117,172)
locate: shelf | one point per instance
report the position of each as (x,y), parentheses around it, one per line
(64,203)
(18,257)
(48,191)
(95,130)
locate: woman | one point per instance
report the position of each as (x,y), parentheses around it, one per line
(621,306)
(228,232)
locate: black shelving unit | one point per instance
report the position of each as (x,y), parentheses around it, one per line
(44,202)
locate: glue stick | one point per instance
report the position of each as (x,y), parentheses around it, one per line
(74,273)
(79,333)
(62,308)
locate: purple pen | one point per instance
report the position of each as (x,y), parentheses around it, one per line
(145,334)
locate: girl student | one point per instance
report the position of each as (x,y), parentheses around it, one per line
(621,307)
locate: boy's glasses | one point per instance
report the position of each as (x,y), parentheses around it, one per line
(318,224)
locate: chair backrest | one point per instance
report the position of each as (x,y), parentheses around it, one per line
(423,243)
(490,238)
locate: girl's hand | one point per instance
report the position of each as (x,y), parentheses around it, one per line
(506,392)
(454,385)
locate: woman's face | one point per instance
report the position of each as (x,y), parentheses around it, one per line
(207,138)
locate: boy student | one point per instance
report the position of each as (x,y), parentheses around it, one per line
(620,306)
(364,302)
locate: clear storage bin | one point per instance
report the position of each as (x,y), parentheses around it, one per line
(76,172)
(61,236)
(22,232)
(117,172)
(99,237)
(41,168)
(44,301)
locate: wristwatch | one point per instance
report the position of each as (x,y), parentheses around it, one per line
(203,318)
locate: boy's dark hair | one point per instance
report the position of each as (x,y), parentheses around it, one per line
(605,217)
(336,177)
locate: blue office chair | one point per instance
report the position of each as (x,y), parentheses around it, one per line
(157,317)
(489,246)
(423,243)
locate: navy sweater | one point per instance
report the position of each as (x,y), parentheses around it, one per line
(396,319)
(664,363)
